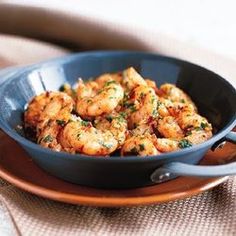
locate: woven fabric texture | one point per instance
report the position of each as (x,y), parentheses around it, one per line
(210,213)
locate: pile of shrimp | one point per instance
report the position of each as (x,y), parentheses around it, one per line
(116,112)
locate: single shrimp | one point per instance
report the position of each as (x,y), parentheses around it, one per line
(142,106)
(166,145)
(80,136)
(198,136)
(171,92)
(59,107)
(103,101)
(46,106)
(132,79)
(188,120)
(35,107)
(55,114)
(48,136)
(169,128)
(175,108)
(143,145)
(114,122)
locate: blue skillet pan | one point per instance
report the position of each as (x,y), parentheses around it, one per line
(214,96)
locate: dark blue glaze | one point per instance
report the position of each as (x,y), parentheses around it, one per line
(214,96)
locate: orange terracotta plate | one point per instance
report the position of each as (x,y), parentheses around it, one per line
(17,168)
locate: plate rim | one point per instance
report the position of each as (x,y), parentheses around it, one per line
(110,201)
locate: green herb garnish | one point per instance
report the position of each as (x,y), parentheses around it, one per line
(85,123)
(203,125)
(154,113)
(184,143)
(62,88)
(142,147)
(78,136)
(158,104)
(123,114)
(110,82)
(153,99)
(109,118)
(48,139)
(106,145)
(60,122)
(188,133)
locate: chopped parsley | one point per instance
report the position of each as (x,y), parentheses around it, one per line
(153,99)
(188,132)
(85,123)
(198,128)
(48,139)
(89,101)
(126,96)
(141,147)
(109,118)
(184,143)
(203,125)
(106,145)
(158,104)
(100,91)
(110,82)
(78,136)
(154,113)
(123,114)
(132,107)
(120,118)
(60,122)
(62,88)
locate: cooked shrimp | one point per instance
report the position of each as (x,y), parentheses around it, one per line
(80,136)
(169,128)
(59,107)
(168,107)
(47,106)
(142,129)
(55,114)
(188,120)
(35,107)
(132,79)
(171,92)
(143,145)
(103,102)
(47,137)
(114,122)
(125,111)
(144,105)
(166,145)
(198,136)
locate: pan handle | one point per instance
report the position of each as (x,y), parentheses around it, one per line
(175,169)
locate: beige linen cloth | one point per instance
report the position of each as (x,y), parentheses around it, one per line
(21,213)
